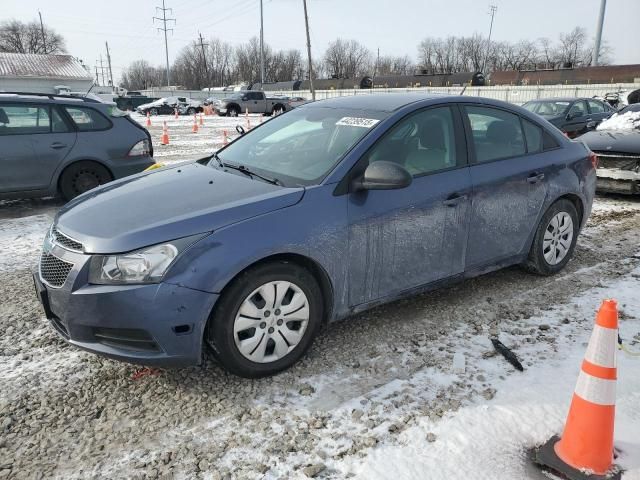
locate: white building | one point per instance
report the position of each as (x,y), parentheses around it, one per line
(26,72)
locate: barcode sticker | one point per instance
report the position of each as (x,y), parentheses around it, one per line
(357,122)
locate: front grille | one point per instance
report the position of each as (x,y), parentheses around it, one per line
(65,241)
(54,271)
(619,161)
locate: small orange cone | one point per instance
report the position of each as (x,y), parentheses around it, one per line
(201,121)
(175,113)
(586,444)
(148,120)
(195,125)
(225,138)
(164,139)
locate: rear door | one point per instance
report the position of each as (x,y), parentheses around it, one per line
(598,112)
(577,119)
(509,183)
(35,141)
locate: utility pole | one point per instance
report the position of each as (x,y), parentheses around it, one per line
(164,29)
(375,69)
(492,11)
(102,69)
(596,46)
(109,64)
(97,79)
(44,39)
(306,22)
(204,59)
(261,46)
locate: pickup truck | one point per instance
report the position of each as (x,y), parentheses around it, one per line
(255,102)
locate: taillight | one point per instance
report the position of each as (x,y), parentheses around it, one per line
(594,159)
(141,148)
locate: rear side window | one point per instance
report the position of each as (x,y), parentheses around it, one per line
(533,134)
(496,134)
(87,119)
(24,119)
(548,142)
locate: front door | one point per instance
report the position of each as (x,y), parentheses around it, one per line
(402,239)
(577,119)
(35,141)
(509,183)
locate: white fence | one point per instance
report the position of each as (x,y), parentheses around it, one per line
(514,94)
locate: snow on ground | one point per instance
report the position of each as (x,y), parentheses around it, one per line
(186,145)
(21,240)
(490,440)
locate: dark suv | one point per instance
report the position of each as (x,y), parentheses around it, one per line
(64,145)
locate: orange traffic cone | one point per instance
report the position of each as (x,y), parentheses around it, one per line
(148,120)
(195,125)
(164,139)
(586,444)
(225,138)
(201,121)
(175,113)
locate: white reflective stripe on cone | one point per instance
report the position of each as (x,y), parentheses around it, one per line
(603,347)
(596,390)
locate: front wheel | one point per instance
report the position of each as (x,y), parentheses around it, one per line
(233,112)
(266,319)
(191,111)
(555,239)
(154,112)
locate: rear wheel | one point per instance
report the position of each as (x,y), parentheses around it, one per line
(80,177)
(266,319)
(233,112)
(191,111)
(154,111)
(555,239)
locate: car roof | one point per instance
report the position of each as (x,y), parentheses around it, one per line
(561,99)
(46,98)
(382,102)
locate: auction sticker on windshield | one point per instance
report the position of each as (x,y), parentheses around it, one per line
(357,122)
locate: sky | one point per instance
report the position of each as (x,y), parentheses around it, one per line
(395,27)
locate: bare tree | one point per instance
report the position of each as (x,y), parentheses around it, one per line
(141,75)
(19,37)
(573,49)
(389,65)
(347,59)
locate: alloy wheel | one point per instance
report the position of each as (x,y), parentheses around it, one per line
(271,321)
(557,238)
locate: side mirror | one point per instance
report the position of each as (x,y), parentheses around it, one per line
(383,175)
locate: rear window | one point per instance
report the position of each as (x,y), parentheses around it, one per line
(24,119)
(88,119)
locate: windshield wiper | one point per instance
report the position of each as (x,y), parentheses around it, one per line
(247,171)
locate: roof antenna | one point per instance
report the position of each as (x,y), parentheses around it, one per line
(93,84)
(463,89)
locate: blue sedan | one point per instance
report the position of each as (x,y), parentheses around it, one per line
(327,210)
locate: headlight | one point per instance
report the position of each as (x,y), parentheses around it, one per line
(147,265)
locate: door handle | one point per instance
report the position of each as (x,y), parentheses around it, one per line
(58,145)
(535,177)
(454,200)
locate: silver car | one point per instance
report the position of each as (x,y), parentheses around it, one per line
(61,145)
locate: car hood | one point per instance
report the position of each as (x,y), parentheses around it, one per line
(166,204)
(621,141)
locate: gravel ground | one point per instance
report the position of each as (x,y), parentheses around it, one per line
(65,413)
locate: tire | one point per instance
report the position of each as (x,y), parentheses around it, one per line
(154,112)
(552,248)
(277,108)
(259,330)
(233,112)
(82,176)
(191,111)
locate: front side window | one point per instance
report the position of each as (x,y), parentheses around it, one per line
(578,109)
(24,119)
(87,119)
(595,106)
(423,142)
(303,145)
(496,134)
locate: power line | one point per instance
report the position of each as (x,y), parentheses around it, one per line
(164,29)
(492,11)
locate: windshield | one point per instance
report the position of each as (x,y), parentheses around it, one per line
(629,120)
(634,107)
(548,108)
(302,146)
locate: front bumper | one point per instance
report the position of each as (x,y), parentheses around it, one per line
(618,181)
(130,166)
(158,324)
